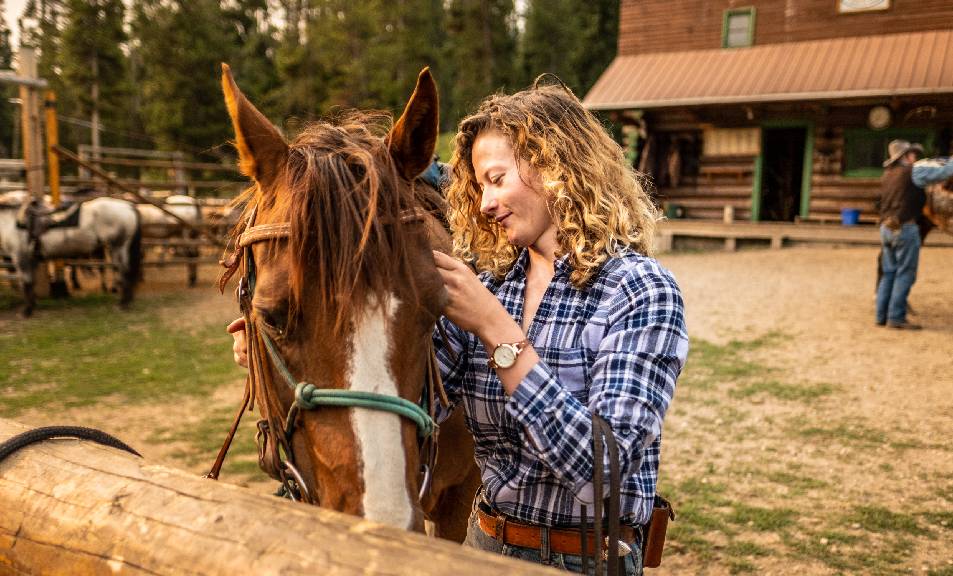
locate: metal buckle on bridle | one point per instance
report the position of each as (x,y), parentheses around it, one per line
(296,484)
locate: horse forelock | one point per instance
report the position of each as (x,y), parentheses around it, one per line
(343,198)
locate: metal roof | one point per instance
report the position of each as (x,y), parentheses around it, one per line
(862,66)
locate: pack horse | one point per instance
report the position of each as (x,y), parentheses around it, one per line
(32,233)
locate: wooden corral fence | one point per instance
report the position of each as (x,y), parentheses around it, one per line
(72,507)
(156,170)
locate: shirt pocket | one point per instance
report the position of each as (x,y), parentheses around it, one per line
(573,368)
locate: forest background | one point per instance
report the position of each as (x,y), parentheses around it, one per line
(150,68)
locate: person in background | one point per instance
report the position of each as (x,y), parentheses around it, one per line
(902,200)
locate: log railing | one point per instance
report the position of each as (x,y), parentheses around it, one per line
(73,507)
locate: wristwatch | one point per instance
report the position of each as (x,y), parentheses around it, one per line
(504,355)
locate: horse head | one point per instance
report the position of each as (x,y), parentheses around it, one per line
(340,293)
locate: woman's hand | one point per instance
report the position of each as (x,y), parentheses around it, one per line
(239,346)
(470,305)
(475,309)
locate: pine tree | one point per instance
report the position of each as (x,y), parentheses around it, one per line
(356,54)
(8,111)
(179,46)
(574,39)
(93,70)
(481,56)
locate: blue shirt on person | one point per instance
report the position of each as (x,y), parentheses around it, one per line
(930,171)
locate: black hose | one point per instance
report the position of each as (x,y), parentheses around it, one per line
(49,432)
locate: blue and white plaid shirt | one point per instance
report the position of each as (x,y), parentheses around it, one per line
(615,348)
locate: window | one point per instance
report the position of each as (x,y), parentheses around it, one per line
(738,28)
(865,150)
(846,6)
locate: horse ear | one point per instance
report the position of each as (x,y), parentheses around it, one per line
(414,135)
(262,150)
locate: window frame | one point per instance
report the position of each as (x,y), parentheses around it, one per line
(751,11)
(922,135)
(842,10)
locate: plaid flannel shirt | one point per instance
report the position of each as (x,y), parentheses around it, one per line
(615,348)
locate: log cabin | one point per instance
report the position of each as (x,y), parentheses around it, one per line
(778,109)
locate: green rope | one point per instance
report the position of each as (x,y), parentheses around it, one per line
(309,396)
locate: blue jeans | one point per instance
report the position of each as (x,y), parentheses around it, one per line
(901,253)
(478,539)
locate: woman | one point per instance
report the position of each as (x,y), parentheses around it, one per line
(568,317)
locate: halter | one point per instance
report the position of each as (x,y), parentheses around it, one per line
(308,396)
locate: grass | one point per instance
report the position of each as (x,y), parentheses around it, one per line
(200,441)
(783,391)
(740,513)
(797,485)
(88,351)
(880,519)
(761,519)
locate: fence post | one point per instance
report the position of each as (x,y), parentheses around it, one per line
(30,123)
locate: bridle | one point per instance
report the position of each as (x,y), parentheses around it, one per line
(306,395)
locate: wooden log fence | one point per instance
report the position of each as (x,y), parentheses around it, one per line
(74,507)
(113,183)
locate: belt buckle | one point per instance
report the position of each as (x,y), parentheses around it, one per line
(624,549)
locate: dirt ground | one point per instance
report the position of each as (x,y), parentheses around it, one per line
(878,440)
(802,437)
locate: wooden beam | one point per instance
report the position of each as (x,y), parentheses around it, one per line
(177,164)
(72,507)
(12,77)
(30,123)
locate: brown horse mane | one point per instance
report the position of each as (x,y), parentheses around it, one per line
(343,197)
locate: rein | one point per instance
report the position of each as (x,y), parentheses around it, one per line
(308,396)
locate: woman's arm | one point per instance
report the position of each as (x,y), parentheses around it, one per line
(640,355)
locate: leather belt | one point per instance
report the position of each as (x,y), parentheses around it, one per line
(561,540)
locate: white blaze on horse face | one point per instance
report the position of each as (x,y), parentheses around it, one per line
(378,433)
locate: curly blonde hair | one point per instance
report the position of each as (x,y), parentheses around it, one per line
(598,202)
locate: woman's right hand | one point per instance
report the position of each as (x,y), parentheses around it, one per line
(239,346)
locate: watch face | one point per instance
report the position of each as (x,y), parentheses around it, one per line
(504,356)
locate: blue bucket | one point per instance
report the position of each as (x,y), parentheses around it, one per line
(849,216)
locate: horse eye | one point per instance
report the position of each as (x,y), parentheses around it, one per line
(275,319)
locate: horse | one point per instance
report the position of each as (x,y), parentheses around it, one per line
(82,230)
(158,224)
(340,296)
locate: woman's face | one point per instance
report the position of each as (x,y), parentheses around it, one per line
(513,193)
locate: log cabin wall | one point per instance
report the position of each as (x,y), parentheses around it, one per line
(666,26)
(710,182)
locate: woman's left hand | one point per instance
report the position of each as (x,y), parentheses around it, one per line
(470,305)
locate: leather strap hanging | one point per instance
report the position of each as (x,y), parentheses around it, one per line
(606,548)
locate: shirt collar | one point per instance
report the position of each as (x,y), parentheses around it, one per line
(518,269)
